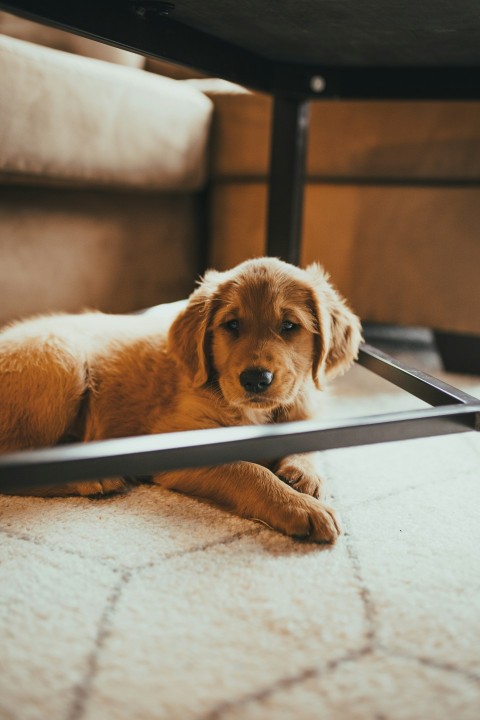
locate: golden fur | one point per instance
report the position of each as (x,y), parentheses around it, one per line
(177,367)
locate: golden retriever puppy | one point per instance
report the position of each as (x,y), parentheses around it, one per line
(251,345)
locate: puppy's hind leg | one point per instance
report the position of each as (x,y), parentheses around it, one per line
(42,383)
(43,397)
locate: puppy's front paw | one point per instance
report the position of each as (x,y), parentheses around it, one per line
(309,519)
(299,472)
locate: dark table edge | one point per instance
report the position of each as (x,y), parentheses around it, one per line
(159,36)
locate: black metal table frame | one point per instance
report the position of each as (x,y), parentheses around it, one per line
(145,27)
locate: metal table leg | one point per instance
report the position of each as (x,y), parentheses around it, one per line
(286,186)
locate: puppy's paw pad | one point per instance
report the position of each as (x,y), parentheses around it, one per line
(110,486)
(91,488)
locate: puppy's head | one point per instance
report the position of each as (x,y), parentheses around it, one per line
(262,329)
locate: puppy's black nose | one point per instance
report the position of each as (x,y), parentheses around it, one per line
(256,380)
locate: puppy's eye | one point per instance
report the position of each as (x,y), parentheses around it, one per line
(288,326)
(232,325)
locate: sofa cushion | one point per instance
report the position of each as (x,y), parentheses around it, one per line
(82,121)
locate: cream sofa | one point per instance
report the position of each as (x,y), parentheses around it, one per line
(101,169)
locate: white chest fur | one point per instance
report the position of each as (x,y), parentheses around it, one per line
(252,416)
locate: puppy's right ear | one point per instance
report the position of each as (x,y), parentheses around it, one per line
(188,338)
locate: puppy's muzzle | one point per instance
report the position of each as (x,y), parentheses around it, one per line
(256,380)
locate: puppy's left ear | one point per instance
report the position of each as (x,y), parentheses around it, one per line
(339,329)
(188,338)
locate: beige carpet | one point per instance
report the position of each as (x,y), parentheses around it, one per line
(156,606)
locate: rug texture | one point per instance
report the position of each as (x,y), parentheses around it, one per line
(155,606)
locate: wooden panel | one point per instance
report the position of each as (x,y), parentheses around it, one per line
(240,140)
(402,255)
(434,140)
(238,215)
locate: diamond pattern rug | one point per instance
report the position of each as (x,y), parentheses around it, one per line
(155,606)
